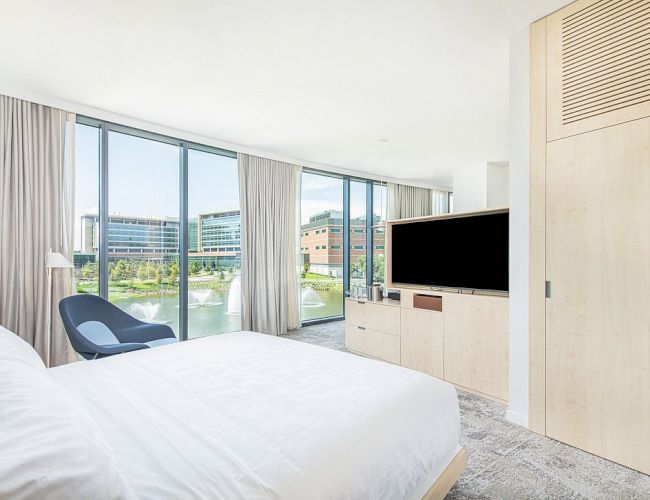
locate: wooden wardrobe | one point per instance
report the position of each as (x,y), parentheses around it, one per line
(590,228)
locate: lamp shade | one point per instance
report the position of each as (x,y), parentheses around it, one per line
(56,259)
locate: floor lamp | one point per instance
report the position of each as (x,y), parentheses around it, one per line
(53,260)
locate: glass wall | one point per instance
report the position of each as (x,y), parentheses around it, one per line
(143,228)
(86,203)
(358,242)
(379,211)
(321,246)
(214,245)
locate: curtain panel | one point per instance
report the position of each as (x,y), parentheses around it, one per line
(408,201)
(267,194)
(440,202)
(37,207)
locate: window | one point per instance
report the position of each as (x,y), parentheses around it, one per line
(143,265)
(214,244)
(379,211)
(335,230)
(358,217)
(335,247)
(321,273)
(143,228)
(86,237)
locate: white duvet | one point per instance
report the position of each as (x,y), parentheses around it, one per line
(248,416)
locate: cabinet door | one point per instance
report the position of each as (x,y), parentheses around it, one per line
(422,341)
(476,343)
(598,316)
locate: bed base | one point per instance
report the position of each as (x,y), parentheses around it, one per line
(448,477)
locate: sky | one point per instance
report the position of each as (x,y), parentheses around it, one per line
(144,181)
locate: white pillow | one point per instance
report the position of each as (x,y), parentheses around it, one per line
(49,446)
(12,347)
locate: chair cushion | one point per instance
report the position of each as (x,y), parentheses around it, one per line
(159,342)
(13,348)
(98,333)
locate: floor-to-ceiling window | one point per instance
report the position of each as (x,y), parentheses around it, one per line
(358,234)
(214,249)
(143,228)
(379,211)
(86,203)
(321,246)
(157,228)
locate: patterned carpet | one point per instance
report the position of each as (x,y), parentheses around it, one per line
(507,461)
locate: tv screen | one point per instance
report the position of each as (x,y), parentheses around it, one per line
(457,252)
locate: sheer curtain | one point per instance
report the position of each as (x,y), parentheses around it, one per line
(440,202)
(408,201)
(267,193)
(36,206)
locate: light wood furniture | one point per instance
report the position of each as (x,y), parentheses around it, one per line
(449,476)
(466,343)
(590,229)
(373,329)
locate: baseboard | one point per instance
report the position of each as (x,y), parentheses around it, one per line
(517,418)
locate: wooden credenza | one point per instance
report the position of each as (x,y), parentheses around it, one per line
(462,339)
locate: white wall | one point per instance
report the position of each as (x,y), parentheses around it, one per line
(470,188)
(498,185)
(519,157)
(481,186)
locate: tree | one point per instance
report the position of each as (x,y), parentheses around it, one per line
(173,272)
(306,267)
(378,268)
(193,268)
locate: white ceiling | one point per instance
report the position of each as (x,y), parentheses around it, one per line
(314,80)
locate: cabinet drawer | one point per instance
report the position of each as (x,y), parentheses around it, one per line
(372,343)
(373,316)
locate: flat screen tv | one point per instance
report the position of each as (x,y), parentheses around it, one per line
(464,251)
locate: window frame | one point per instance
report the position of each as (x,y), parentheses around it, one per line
(184,146)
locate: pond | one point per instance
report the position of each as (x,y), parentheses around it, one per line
(219,311)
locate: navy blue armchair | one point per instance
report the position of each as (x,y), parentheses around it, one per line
(96,328)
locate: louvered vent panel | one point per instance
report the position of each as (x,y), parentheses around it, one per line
(605,58)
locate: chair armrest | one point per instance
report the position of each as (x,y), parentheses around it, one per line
(145,332)
(107,350)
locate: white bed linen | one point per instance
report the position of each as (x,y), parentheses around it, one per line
(245,415)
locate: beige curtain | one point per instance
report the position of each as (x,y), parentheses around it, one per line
(268,203)
(36,211)
(293,271)
(408,201)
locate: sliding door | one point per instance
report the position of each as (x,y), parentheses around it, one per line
(143,228)
(214,244)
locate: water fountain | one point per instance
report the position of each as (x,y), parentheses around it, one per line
(310,298)
(147,311)
(234,297)
(199,298)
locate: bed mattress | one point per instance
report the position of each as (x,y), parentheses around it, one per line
(245,415)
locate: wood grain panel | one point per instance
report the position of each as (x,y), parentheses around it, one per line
(476,343)
(598,65)
(373,343)
(598,318)
(422,341)
(374,316)
(537,231)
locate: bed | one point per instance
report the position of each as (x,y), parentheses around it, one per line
(240,415)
